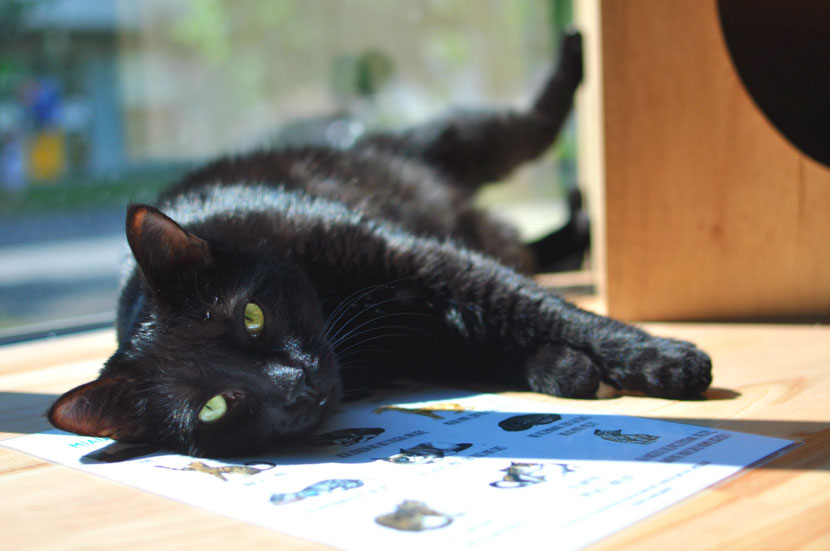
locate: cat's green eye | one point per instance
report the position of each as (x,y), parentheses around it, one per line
(213,409)
(254,319)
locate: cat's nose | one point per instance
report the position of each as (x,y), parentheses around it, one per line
(292,381)
(300,393)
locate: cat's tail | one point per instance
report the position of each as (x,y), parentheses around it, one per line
(564,250)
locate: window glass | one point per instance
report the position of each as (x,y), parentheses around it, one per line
(104,102)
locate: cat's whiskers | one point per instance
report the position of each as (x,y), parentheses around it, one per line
(406,331)
(370,334)
(350,301)
(358,364)
(353,349)
(346,304)
(338,340)
(343,334)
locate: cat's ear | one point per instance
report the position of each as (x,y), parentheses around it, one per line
(99,408)
(161,247)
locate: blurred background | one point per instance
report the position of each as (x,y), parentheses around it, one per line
(107,101)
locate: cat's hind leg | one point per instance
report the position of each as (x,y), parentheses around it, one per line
(477,147)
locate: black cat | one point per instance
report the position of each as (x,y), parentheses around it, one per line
(275,280)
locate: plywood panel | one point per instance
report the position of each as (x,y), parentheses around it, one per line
(710,212)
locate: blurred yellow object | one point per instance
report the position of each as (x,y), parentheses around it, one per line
(47,155)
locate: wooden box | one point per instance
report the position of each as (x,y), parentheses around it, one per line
(709,212)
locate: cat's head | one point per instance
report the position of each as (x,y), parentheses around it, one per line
(228,357)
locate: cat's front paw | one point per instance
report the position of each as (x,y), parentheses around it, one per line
(560,370)
(662,367)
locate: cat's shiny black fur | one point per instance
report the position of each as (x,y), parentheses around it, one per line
(369,262)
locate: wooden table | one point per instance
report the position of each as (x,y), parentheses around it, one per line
(772,380)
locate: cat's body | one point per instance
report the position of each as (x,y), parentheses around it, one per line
(287,275)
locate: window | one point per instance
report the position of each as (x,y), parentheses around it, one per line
(105,101)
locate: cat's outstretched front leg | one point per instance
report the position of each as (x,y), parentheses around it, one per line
(566,351)
(561,349)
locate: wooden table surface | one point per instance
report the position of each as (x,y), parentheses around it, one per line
(771,380)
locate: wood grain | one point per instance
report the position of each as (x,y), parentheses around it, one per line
(710,212)
(769,380)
